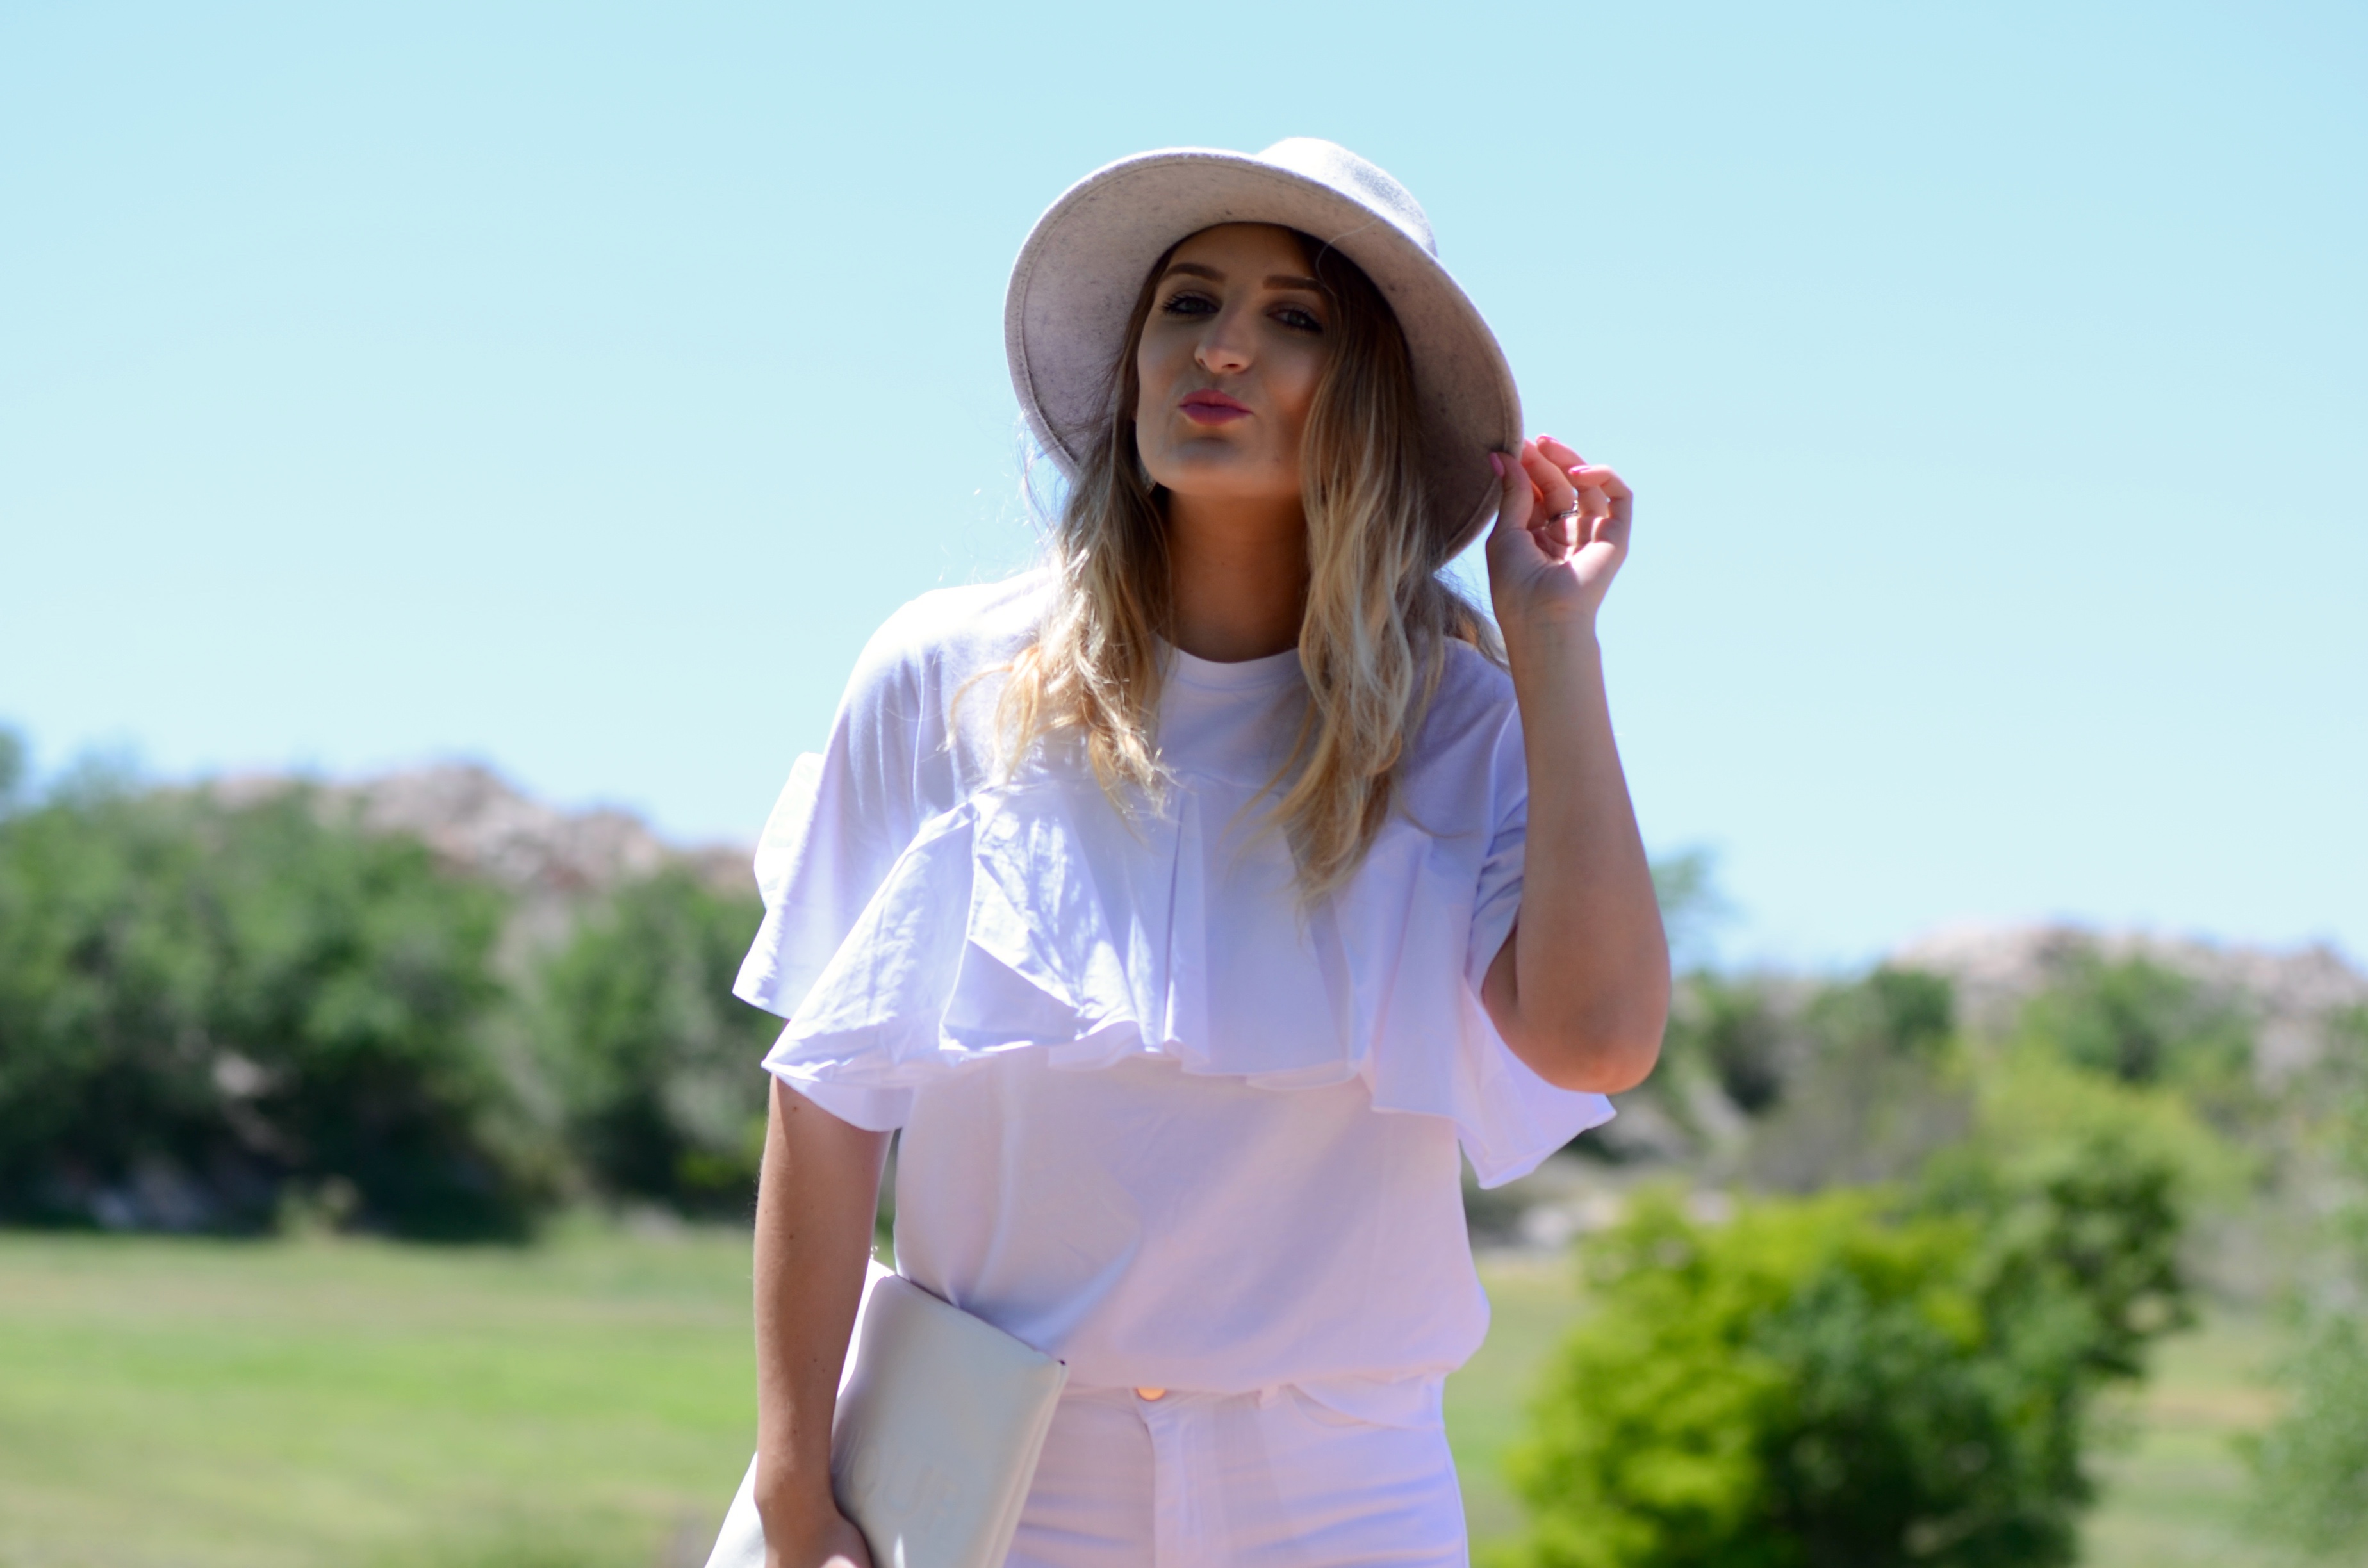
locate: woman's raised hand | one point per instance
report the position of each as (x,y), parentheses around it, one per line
(1562,531)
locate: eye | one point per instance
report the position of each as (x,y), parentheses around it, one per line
(1188,303)
(1298,318)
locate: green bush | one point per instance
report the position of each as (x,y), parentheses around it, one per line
(2143,1025)
(214,1015)
(1735,1032)
(1899,1012)
(1861,1380)
(2311,1466)
(204,1008)
(652,1057)
(12,769)
(1761,1040)
(1875,1084)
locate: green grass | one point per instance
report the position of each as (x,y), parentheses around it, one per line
(2174,1496)
(1533,1301)
(587,1404)
(352,1404)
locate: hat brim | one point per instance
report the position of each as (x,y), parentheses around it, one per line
(1083,267)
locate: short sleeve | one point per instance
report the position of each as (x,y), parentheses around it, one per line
(1499,900)
(841,821)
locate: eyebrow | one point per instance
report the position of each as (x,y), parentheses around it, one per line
(1279,280)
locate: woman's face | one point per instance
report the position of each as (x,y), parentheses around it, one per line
(1228,364)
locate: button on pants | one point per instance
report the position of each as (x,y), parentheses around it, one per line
(1270,1480)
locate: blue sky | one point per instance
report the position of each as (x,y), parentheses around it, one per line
(573,387)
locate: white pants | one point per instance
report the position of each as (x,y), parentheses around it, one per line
(1270,1479)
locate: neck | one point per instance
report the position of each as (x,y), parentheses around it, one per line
(1238,570)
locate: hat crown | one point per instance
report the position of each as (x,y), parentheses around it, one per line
(1367,185)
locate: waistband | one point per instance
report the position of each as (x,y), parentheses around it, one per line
(1416,1403)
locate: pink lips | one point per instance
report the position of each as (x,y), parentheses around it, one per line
(1209,407)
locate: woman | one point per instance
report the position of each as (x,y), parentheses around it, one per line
(1189,902)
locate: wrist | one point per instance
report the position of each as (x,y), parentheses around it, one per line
(797,1507)
(1555,635)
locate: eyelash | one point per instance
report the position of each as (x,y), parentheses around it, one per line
(1297,318)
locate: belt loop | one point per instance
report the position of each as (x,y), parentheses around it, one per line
(1171,1542)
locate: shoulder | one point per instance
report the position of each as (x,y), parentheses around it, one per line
(1474,703)
(1474,676)
(949,635)
(1465,764)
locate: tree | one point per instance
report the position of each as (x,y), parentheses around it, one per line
(1686,886)
(202,1006)
(1734,1031)
(1872,1085)
(2311,1467)
(2135,1021)
(12,768)
(656,1064)
(1863,1378)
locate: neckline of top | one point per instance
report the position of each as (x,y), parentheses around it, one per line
(1237,675)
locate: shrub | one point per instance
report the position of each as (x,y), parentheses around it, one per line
(2143,1025)
(653,1059)
(1854,1378)
(1736,1032)
(202,1007)
(1876,1086)
(2311,1466)
(13,767)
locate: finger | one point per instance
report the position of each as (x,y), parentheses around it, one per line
(1603,479)
(1590,480)
(1518,515)
(1594,508)
(1554,488)
(1606,520)
(1621,507)
(1558,452)
(1557,509)
(1557,534)
(1517,498)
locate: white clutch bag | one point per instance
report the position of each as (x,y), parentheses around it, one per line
(934,1441)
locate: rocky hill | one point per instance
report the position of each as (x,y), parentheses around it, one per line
(477,821)
(2289,995)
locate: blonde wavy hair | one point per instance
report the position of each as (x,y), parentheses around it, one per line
(1379,615)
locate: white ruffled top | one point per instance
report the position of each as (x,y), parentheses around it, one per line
(1158,1120)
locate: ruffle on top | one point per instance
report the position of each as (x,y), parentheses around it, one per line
(1035,915)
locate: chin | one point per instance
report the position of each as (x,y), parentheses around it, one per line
(1224,481)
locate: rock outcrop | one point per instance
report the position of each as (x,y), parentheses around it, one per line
(2290,995)
(475,819)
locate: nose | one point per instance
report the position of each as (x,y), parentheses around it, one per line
(1225,347)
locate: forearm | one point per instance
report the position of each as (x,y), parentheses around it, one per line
(1581,992)
(816,1196)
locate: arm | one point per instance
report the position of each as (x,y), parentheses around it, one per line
(1580,990)
(817,1192)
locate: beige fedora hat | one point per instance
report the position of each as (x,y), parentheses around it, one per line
(1083,267)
